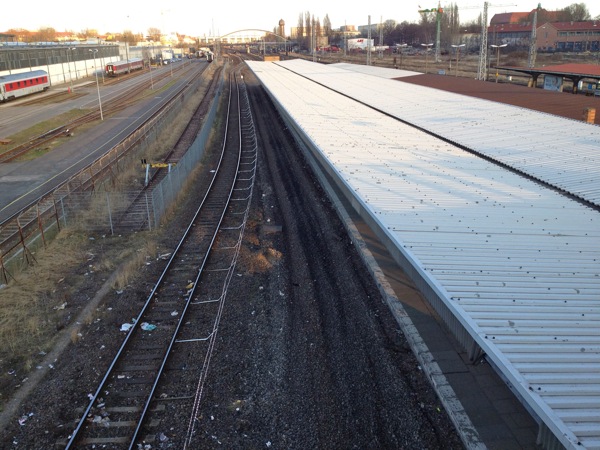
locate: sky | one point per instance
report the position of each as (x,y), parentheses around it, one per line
(197,19)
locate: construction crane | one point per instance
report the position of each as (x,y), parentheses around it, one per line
(439,11)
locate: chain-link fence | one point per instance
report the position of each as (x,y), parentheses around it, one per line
(82,200)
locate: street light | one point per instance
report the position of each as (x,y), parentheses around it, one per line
(457,47)
(428,46)
(94,51)
(497,47)
(150,64)
(401,47)
(69,64)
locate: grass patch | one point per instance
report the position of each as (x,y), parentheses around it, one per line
(43,127)
(47,296)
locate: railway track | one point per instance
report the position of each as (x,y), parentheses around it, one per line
(136,216)
(109,107)
(182,313)
(16,228)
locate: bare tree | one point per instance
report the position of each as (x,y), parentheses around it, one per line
(576,12)
(428,26)
(450,28)
(153,34)
(87,33)
(129,37)
(45,35)
(318,28)
(308,28)
(388,28)
(21,34)
(300,32)
(327,31)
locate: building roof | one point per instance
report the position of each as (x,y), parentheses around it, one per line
(573,71)
(591,25)
(510,28)
(520,17)
(516,263)
(575,26)
(592,70)
(507,18)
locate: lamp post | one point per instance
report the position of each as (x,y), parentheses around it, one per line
(94,51)
(150,64)
(69,65)
(427,47)
(401,48)
(457,47)
(497,47)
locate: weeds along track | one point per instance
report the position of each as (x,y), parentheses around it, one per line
(135,218)
(168,347)
(30,220)
(108,107)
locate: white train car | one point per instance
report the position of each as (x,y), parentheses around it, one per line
(18,85)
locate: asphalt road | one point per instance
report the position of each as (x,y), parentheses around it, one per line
(22,183)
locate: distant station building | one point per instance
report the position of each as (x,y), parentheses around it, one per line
(553,33)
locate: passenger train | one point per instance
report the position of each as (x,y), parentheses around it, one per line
(120,67)
(18,85)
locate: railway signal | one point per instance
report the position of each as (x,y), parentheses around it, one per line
(157,165)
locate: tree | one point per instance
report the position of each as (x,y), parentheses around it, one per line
(388,27)
(21,34)
(576,12)
(129,37)
(308,27)
(153,34)
(327,31)
(87,33)
(428,27)
(318,29)
(45,35)
(300,33)
(406,33)
(450,29)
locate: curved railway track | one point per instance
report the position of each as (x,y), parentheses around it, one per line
(182,311)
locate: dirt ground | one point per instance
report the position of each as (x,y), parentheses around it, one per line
(308,356)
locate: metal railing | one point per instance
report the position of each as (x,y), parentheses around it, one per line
(84,193)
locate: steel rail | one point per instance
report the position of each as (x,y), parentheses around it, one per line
(76,435)
(247,139)
(11,235)
(110,107)
(200,269)
(176,153)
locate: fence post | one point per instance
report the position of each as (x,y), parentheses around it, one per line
(148,212)
(112,231)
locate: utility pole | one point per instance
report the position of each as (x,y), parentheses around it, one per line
(533,42)
(438,11)
(482,69)
(483,49)
(381,37)
(369,43)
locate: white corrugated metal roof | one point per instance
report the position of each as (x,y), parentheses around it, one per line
(516,263)
(561,152)
(381,72)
